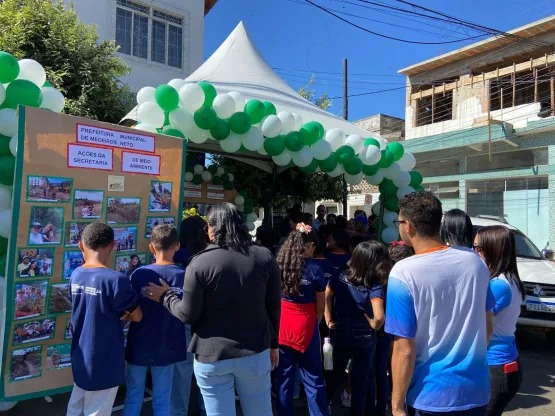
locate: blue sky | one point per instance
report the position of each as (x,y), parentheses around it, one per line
(301,40)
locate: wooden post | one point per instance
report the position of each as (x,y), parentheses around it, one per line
(489,127)
(513,79)
(433,103)
(552,95)
(536,85)
(346,117)
(501,97)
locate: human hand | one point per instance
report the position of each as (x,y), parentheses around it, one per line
(331,325)
(399,412)
(155,292)
(274,357)
(124,316)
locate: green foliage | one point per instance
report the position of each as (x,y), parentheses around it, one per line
(308,92)
(82,68)
(192,212)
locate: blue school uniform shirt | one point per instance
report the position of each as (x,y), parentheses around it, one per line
(339,260)
(313,281)
(99,296)
(329,270)
(440,299)
(353,301)
(159,339)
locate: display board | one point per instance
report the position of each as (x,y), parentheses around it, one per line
(204,195)
(71,172)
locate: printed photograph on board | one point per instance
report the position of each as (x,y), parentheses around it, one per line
(60,299)
(34,331)
(30,298)
(127,264)
(34,262)
(58,356)
(68,334)
(46,225)
(87,204)
(74,230)
(49,189)
(72,260)
(125,239)
(160,198)
(152,222)
(123,210)
(26,363)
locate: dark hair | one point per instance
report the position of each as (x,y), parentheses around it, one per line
(327,229)
(360,212)
(423,209)
(228,227)
(331,215)
(370,264)
(291,261)
(341,222)
(296,217)
(307,216)
(342,239)
(163,237)
(497,244)
(267,236)
(456,229)
(193,234)
(399,252)
(322,242)
(355,241)
(97,235)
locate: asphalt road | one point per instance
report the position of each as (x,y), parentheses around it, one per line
(536,396)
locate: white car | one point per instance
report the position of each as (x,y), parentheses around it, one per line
(537,274)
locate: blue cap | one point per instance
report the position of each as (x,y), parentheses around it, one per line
(362,219)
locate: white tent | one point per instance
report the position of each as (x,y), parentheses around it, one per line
(237,65)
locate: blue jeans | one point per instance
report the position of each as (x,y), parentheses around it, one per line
(478,411)
(380,381)
(182,384)
(310,364)
(249,375)
(161,389)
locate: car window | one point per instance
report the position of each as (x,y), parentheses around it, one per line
(524,247)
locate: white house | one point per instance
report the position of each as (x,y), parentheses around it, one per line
(159,40)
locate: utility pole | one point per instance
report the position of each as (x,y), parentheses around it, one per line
(346,117)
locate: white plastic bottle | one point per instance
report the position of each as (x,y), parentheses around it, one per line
(327,349)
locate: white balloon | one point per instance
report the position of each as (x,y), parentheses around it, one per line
(177,83)
(337,171)
(146,94)
(356,142)
(370,155)
(250,226)
(390,234)
(303,157)
(383,143)
(253,139)
(5,199)
(198,169)
(407,162)
(321,150)
(231,177)
(353,179)
(13,146)
(8,122)
(220,171)
(31,70)
(224,106)
(262,151)
(52,99)
(146,127)
(182,120)
(151,113)
(206,176)
(197,135)
(392,172)
(271,126)
(298,121)
(375,179)
(239,99)
(389,217)
(239,200)
(188,176)
(401,192)
(402,180)
(5,223)
(336,138)
(287,121)
(5,406)
(191,97)
(283,159)
(252,217)
(2,98)
(376,208)
(232,144)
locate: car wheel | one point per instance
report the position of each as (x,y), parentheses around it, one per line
(550,335)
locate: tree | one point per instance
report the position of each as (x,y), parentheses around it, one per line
(83,69)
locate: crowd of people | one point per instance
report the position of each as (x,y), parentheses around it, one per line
(433,316)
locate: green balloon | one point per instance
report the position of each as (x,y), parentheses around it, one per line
(243,149)
(240,123)
(371,142)
(213,169)
(387,188)
(386,159)
(216,180)
(209,93)
(5,145)
(311,168)
(3,247)
(269,108)
(329,164)
(274,146)
(3,264)
(370,170)
(168,131)
(391,203)
(244,217)
(205,118)
(47,84)
(197,179)
(7,168)
(255,110)
(244,194)
(353,166)
(312,132)
(166,118)
(221,130)
(376,225)
(415,178)
(167,97)
(189,168)
(229,186)
(23,92)
(248,209)
(225,177)
(345,154)
(9,69)
(294,141)
(396,149)
(419,188)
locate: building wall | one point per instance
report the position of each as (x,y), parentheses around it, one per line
(146,72)
(388,127)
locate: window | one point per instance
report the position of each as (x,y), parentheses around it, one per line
(507,160)
(441,167)
(148,33)
(444,190)
(434,109)
(521,88)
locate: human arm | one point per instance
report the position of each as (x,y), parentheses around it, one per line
(125,301)
(329,307)
(402,369)
(489,325)
(134,316)
(273,309)
(320,305)
(379,314)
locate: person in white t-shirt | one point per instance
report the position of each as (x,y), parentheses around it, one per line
(35,236)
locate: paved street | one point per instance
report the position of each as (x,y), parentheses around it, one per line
(536,396)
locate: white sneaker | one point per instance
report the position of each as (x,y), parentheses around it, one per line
(346,399)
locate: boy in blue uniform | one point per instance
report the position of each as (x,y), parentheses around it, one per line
(101,299)
(158,341)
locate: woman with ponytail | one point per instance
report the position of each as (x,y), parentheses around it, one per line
(302,308)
